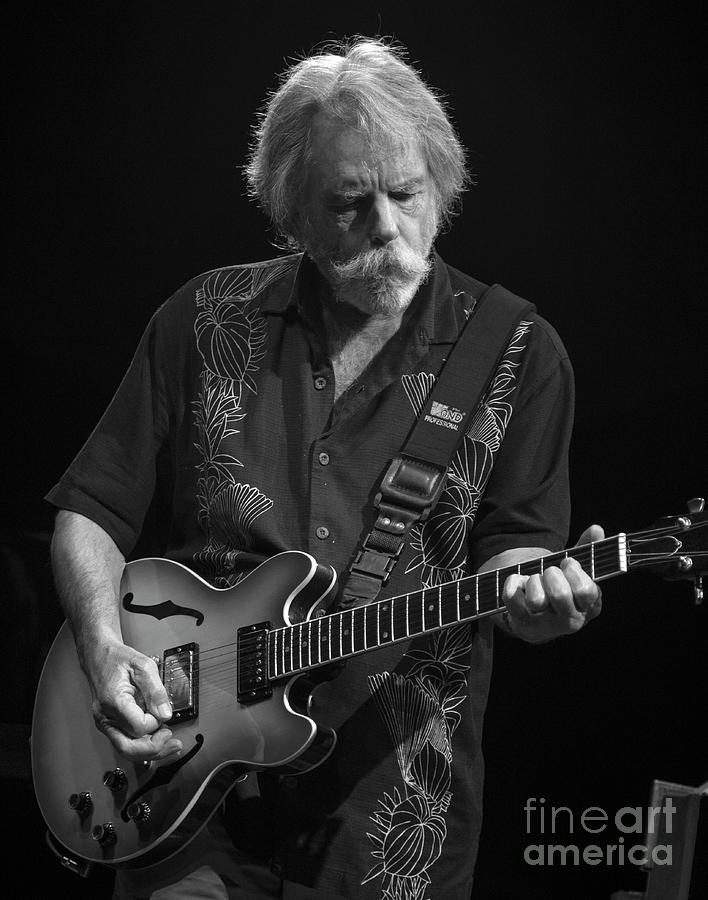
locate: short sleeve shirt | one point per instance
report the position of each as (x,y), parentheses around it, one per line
(226,429)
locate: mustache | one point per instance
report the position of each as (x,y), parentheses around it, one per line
(396,263)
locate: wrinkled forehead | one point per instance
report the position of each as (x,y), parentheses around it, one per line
(339,151)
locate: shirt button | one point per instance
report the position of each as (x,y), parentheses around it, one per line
(320,382)
(323,458)
(322,532)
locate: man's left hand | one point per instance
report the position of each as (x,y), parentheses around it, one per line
(542,607)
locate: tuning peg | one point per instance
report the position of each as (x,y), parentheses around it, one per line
(696,505)
(698,590)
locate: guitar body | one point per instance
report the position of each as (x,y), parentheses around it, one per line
(164,607)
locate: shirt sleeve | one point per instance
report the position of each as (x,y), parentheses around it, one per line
(527,500)
(112,479)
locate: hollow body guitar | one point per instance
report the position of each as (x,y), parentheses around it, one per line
(240,664)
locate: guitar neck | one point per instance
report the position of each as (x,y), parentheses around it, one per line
(337,636)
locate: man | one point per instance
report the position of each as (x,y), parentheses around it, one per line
(261,410)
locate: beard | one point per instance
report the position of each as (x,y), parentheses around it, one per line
(381,280)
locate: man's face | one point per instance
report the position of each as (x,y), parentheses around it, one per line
(369,219)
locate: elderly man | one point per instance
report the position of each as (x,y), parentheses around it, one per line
(262,406)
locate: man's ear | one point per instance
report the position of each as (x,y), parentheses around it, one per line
(297,226)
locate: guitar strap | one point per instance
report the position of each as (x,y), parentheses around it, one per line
(415,478)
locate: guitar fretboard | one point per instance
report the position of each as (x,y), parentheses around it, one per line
(336,636)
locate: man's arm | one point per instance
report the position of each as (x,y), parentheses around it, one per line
(130,702)
(543,607)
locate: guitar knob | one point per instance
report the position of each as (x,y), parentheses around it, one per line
(139,812)
(81,802)
(696,505)
(104,834)
(116,780)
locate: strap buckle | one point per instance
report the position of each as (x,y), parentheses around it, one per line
(409,491)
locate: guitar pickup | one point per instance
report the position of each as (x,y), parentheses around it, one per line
(252,683)
(180,675)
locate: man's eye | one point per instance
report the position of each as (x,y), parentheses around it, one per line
(346,205)
(403,196)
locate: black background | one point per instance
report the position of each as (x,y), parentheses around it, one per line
(127,126)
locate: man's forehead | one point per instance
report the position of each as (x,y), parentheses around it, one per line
(342,154)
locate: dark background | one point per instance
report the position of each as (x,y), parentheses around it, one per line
(126,129)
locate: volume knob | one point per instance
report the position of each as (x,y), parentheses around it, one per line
(139,812)
(81,802)
(104,834)
(115,780)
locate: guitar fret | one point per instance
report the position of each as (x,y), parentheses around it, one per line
(400,618)
(349,632)
(363,616)
(592,561)
(415,615)
(371,625)
(348,636)
(429,620)
(447,604)
(273,654)
(324,642)
(295,646)
(387,633)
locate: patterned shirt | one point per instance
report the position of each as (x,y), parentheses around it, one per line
(224,445)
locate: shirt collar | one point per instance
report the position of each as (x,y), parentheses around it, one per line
(439,313)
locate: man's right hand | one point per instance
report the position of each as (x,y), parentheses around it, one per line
(130,703)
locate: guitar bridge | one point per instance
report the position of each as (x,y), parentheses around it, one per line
(252,682)
(180,675)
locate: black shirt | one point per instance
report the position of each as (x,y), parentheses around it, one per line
(226,423)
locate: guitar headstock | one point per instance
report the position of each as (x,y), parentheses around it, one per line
(676,547)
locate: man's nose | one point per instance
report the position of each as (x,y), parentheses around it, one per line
(383,226)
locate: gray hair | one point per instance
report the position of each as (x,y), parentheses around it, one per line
(366,84)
